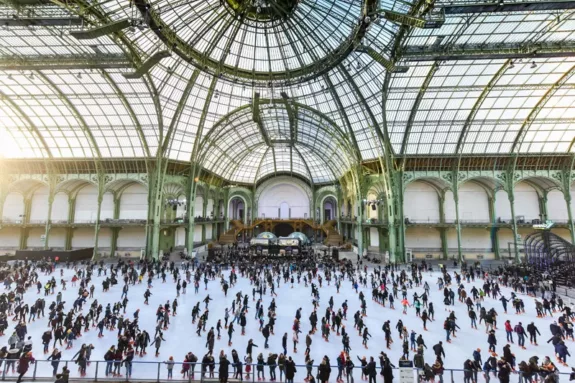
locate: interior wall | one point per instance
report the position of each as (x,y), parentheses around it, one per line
(421,202)
(449,206)
(417,237)
(198,233)
(60,207)
(34,240)
(556,206)
(180,236)
(475,238)
(134,202)
(199,206)
(86,205)
(39,204)
(291,196)
(373,236)
(208,232)
(13,207)
(107,207)
(9,238)
(132,237)
(57,239)
(473,203)
(502,206)
(526,201)
(105,239)
(83,237)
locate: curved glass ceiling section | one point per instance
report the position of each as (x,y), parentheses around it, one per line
(242,150)
(477,84)
(261,41)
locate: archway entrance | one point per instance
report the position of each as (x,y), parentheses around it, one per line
(283,229)
(329,209)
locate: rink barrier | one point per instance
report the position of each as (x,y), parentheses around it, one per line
(41,371)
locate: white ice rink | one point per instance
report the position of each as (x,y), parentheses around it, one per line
(181,337)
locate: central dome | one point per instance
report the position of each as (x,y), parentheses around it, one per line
(261,42)
(262,11)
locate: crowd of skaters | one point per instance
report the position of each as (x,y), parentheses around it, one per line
(388,284)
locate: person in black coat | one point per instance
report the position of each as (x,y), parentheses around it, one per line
(438,349)
(324,370)
(371,370)
(224,369)
(290,370)
(387,373)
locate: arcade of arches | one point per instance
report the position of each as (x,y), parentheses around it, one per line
(479,219)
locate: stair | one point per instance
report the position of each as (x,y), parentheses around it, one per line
(333,237)
(229,237)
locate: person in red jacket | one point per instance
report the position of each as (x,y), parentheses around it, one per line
(509,331)
(24,364)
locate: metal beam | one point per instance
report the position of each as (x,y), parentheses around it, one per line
(471,117)
(100,31)
(145,67)
(167,142)
(40,21)
(489,51)
(477,88)
(257,118)
(343,114)
(377,57)
(537,108)
(415,107)
(291,118)
(64,62)
(466,7)
(400,18)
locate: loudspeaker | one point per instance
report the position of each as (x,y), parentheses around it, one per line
(335,254)
(373,207)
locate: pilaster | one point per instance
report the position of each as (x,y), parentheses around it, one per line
(494,230)
(443,230)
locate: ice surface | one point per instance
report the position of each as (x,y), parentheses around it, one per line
(181,337)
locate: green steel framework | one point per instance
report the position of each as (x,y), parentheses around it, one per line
(371,146)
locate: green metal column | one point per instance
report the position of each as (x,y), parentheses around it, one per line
(48,219)
(457,223)
(204,214)
(567,196)
(97,225)
(393,183)
(443,230)
(70,229)
(25,231)
(494,230)
(115,230)
(543,206)
(360,227)
(191,217)
(511,195)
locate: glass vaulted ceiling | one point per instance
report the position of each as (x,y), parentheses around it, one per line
(462,90)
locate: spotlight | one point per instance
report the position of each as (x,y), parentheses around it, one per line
(511,65)
(533,65)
